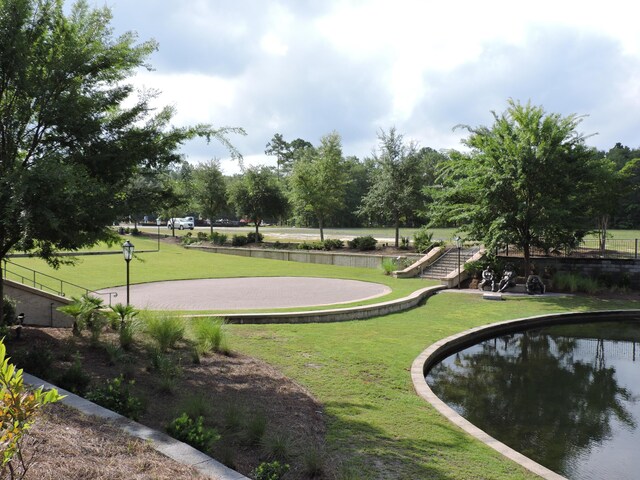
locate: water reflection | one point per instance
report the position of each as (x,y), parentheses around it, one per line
(564,396)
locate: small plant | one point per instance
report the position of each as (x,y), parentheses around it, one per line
(37,361)
(277,445)
(9,311)
(87,313)
(572,282)
(193,432)
(404,243)
(197,406)
(202,236)
(252,238)
(239,240)
(165,329)
(423,240)
(313,461)
(208,334)
(233,416)
(74,378)
(389,266)
(167,369)
(18,410)
(218,238)
(255,428)
(363,243)
(116,395)
(270,470)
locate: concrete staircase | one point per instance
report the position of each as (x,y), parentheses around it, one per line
(448,263)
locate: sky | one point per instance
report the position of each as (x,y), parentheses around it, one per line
(306,68)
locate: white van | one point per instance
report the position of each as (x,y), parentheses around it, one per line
(180,223)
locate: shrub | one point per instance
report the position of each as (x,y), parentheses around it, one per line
(167,369)
(313,461)
(423,240)
(277,445)
(572,282)
(270,471)
(165,329)
(127,332)
(9,311)
(318,245)
(74,378)
(363,243)
(388,265)
(333,244)
(193,432)
(239,240)
(18,411)
(37,361)
(188,239)
(404,243)
(208,334)
(116,395)
(197,405)
(218,238)
(251,237)
(202,236)
(254,429)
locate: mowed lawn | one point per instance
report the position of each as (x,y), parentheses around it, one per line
(360,372)
(378,427)
(174,262)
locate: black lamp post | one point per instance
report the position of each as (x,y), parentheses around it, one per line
(158,224)
(127,250)
(459,245)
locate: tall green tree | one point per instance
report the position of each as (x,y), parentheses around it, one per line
(209,190)
(522,182)
(396,182)
(318,181)
(72,132)
(257,195)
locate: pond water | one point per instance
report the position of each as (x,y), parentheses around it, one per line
(566,396)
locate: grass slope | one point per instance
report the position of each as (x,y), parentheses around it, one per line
(360,373)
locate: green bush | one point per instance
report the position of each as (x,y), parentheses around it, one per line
(251,237)
(317,245)
(193,432)
(202,236)
(37,361)
(239,240)
(388,266)
(333,244)
(9,311)
(404,243)
(363,243)
(277,445)
(208,334)
(218,238)
(74,378)
(254,429)
(116,395)
(164,328)
(423,240)
(572,282)
(270,471)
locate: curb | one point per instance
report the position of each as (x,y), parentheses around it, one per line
(163,443)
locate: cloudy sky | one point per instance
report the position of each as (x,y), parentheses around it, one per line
(304,68)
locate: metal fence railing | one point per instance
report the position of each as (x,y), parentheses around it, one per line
(627,249)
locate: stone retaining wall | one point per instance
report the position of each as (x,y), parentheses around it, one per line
(358,260)
(39,308)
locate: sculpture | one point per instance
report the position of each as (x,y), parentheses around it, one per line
(534,285)
(488,277)
(508,278)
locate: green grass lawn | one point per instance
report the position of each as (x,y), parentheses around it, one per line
(358,370)
(360,373)
(173,262)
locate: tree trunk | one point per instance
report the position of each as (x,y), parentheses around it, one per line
(321,229)
(2,262)
(211,227)
(257,222)
(397,233)
(604,222)
(527,259)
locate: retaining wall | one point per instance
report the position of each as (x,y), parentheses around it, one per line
(39,308)
(358,260)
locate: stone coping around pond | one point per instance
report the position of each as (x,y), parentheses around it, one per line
(361,312)
(163,443)
(443,348)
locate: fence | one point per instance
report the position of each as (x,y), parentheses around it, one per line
(588,248)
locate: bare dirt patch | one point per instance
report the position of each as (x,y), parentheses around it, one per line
(233,390)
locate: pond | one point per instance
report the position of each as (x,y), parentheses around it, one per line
(566,396)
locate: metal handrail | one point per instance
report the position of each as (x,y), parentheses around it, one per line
(33,281)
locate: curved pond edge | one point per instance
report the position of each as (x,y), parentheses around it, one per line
(445,347)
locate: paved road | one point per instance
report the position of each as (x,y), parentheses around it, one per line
(247,293)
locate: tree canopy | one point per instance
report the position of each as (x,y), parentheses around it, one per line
(72,130)
(522,182)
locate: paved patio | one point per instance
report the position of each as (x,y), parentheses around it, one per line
(246,293)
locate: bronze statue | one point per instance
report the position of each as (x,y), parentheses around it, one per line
(508,278)
(488,277)
(534,285)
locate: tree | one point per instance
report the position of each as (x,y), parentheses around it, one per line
(630,204)
(279,148)
(521,184)
(71,131)
(142,195)
(209,190)
(257,195)
(396,182)
(318,181)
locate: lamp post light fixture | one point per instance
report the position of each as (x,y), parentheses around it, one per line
(158,224)
(127,250)
(459,245)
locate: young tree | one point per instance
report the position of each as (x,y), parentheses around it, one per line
(522,183)
(209,190)
(279,148)
(318,181)
(396,182)
(71,132)
(257,195)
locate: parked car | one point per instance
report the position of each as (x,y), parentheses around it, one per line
(180,223)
